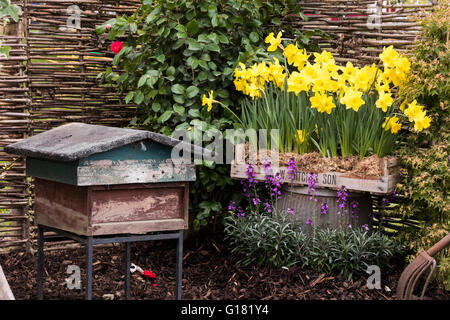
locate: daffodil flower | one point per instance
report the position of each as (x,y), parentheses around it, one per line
(274,42)
(208,101)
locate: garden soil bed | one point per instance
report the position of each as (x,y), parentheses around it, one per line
(209,272)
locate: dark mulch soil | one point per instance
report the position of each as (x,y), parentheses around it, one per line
(209,272)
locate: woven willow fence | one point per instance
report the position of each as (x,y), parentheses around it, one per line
(50,77)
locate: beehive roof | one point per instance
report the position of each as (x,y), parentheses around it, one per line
(76,140)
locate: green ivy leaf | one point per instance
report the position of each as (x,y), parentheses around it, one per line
(212,47)
(129,96)
(179,109)
(192,27)
(138,97)
(142,80)
(254,37)
(194,45)
(165,116)
(178,98)
(191,91)
(177,89)
(156,106)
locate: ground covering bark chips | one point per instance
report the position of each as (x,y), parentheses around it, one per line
(209,272)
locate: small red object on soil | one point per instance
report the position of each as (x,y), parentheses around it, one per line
(149,274)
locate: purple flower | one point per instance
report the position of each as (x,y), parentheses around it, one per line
(349,226)
(256,201)
(232,206)
(365,227)
(240,212)
(324,208)
(292,169)
(267,167)
(342,198)
(250,182)
(273,184)
(267,207)
(309,222)
(291,211)
(312,182)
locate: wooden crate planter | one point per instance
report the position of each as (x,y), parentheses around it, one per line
(295,192)
(383,184)
(96,180)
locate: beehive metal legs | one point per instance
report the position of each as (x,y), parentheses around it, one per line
(40,263)
(89,255)
(91,241)
(127,269)
(179,265)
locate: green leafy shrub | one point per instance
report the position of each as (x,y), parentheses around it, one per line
(176,50)
(425,159)
(260,239)
(260,234)
(278,240)
(350,251)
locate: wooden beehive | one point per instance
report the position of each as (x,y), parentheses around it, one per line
(97,180)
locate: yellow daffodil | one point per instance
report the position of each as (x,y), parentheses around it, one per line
(384,101)
(323,57)
(403,105)
(276,73)
(389,57)
(274,42)
(421,121)
(413,110)
(348,71)
(352,99)
(299,137)
(208,101)
(295,56)
(297,83)
(322,103)
(392,124)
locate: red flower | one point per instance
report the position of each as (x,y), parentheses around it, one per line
(149,274)
(116,47)
(108,26)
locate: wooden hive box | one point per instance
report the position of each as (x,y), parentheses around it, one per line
(98,180)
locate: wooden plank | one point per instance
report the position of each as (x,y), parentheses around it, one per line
(135,227)
(65,172)
(137,204)
(107,172)
(61,206)
(332,180)
(5,290)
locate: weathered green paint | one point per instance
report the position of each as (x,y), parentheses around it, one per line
(103,172)
(143,150)
(65,172)
(140,162)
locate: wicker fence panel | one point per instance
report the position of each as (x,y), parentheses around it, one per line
(360,29)
(63,63)
(50,77)
(14,120)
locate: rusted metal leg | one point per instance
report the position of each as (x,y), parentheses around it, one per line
(179,266)
(127,269)
(89,254)
(40,264)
